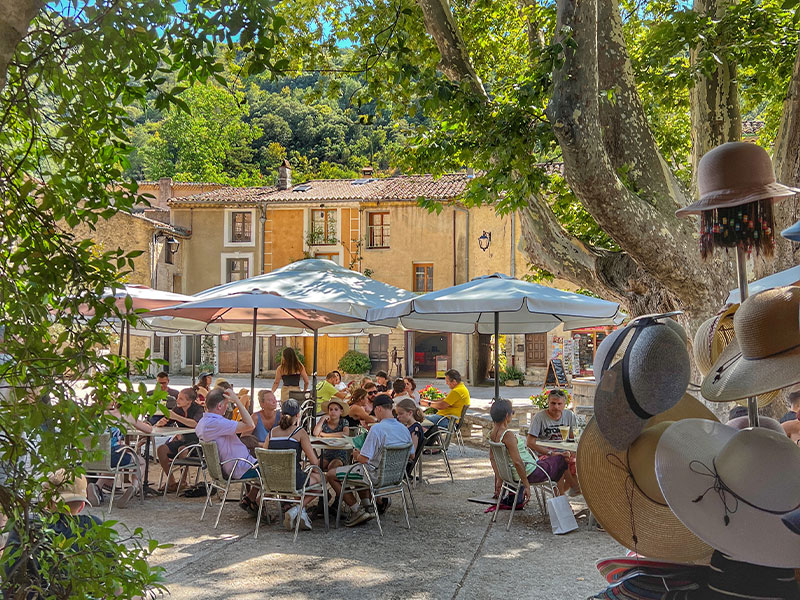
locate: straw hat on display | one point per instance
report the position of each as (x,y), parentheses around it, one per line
(765,353)
(731,488)
(711,338)
(622,492)
(651,377)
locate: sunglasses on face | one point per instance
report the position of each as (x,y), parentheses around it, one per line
(371,393)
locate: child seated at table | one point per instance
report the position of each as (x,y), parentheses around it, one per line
(333,425)
(410,415)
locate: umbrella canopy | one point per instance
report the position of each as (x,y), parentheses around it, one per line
(523,307)
(324,284)
(790,276)
(497,304)
(258,307)
(141,298)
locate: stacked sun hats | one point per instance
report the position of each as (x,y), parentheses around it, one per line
(711,338)
(650,377)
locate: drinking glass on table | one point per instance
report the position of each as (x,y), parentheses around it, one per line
(564,433)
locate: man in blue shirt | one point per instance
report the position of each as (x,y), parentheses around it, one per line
(388,431)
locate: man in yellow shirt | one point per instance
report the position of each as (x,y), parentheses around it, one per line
(327,390)
(452,405)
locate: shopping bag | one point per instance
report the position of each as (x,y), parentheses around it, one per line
(561,518)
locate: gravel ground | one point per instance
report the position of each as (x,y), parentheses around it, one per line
(451,552)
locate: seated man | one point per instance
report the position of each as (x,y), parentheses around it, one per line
(794,403)
(545,426)
(162,383)
(382,381)
(187,413)
(451,406)
(327,390)
(214,427)
(388,431)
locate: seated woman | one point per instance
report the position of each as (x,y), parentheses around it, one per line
(361,408)
(120,458)
(333,424)
(289,435)
(410,415)
(527,468)
(268,417)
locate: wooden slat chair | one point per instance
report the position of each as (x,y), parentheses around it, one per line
(216,479)
(389,480)
(102,469)
(511,483)
(277,469)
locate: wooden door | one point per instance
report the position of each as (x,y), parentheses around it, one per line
(235,353)
(379,352)
(536,349)
(329,351)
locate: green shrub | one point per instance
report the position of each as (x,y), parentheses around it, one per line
(355,363)
(511,373)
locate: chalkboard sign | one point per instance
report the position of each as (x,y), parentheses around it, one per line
(555,374)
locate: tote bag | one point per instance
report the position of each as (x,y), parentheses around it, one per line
(561,518)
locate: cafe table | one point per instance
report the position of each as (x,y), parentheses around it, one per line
(156,432)
(559,445)
(332,443)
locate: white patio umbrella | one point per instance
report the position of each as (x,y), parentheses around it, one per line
(790,276)
(256,307)
(495,304)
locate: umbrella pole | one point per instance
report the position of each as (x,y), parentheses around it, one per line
(741,274)
(314,370)
(121,337)
(497,356)
(253,364)
(194,354)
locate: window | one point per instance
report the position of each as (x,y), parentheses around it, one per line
(323,227)
(241,227)
(378,229)
(237,269)
(334,256)
(423,277)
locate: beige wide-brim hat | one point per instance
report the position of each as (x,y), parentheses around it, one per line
(623,501)
(713,478)
(765,354)
(345,407)
(711,338)
(733,174)
(69,491)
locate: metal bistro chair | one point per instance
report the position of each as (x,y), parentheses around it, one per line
(438,443)
(277,468)
(308,414)
(459,437)
(511,483)
(216,478)
(102,469)
(390,479)
(186,458)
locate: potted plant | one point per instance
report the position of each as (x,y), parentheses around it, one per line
(512,376)
(354,362)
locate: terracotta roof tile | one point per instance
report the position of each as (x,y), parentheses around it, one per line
(752,127)
(411,187)
(226,195)
(328,190)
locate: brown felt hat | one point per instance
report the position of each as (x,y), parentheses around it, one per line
(734,174)
(711,338)
(765,353)
(621,489)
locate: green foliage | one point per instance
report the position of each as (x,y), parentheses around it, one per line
(541,400)
(355,363)
(73,83)
(512,373)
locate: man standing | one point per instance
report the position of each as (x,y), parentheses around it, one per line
(546,425)
(388,431)
(452,405)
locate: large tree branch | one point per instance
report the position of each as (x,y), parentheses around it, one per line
(787,170)
(15,18)
(442,27)
(611,274)
(665,245)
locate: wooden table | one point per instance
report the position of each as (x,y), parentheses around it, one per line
(156,432)
(559,445)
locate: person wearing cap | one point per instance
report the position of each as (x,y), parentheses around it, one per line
(388,431)
(546,425)
(327,390)
(186,414)
(290,435)
(69,499)
(333,425)
(452,404)
(214,427)
(204,381)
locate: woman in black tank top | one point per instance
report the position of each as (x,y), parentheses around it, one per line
(289,373)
